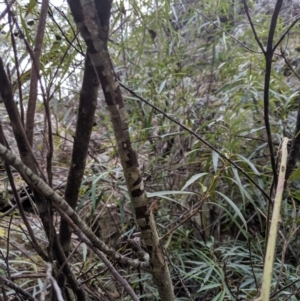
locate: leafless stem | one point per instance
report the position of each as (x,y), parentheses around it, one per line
(17,288)
(35,70)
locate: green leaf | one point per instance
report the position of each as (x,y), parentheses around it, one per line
(220,296)
(234,207)
(209,286)
(192,179)
(239,183)
(162,85)
(40,284)
(251,165)
(295,175)
(93,196)
(84,252)
(215,158)
(99,198)
(30,7)
(163,193)
(24,26)
(122,211)
(204,188)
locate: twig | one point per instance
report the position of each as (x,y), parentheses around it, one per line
(4,12)
(109,266)
(251,263)
(285,33)
(17,288)
(17,66)
(50,278)
(289,64)
(253,28)
(227,33)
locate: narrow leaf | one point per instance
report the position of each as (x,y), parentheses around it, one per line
(167,192)
(250,164)
(192,179)
(30,7)
(84,251)
(295,175)
(235,208)
(161,87)
(215,158)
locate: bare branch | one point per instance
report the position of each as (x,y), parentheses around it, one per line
(4,12)
(285,33)
(252,27)
(17,288)
(35,69)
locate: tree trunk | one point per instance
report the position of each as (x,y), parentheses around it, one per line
(92,19)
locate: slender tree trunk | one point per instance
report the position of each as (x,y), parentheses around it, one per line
(92,19)
(85,120)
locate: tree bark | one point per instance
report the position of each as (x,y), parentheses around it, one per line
(92,19)
(85,120)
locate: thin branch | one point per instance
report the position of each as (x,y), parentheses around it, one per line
(252,266)
(35,70)
(253,28)
(4,12)
(7,246)
(80,51)
(289,64)
(228,34)
(285,33)
(51,82)
(5,298)
(272,29)
(13,207)
(284,288)
(14,116)
(35,65)
(17,288)
(50,278)
(103,258)
(17,66)
(84,126)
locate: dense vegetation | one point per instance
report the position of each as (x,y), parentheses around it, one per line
(211,89)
